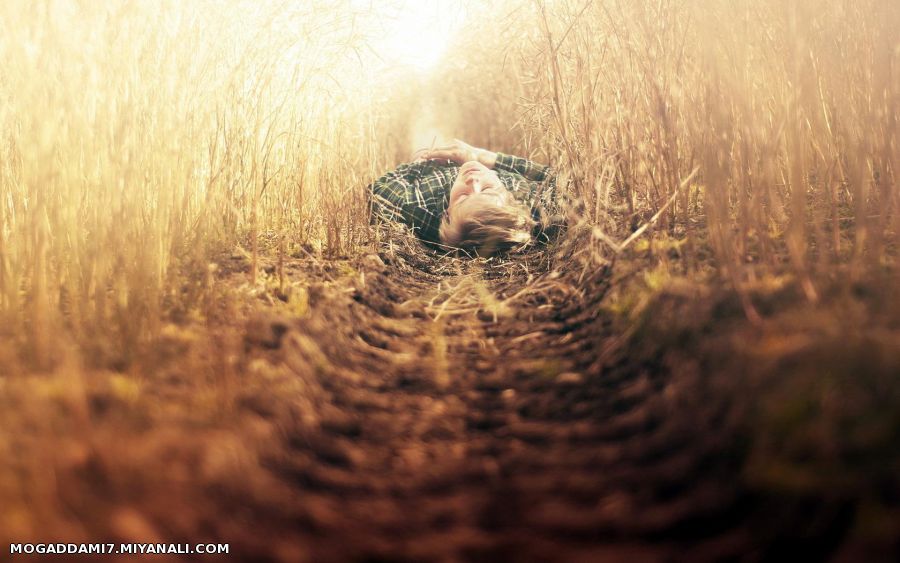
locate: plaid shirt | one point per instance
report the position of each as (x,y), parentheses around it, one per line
(418,194)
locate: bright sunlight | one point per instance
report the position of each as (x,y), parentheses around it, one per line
(416,33)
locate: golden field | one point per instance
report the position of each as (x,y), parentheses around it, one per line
(191,290)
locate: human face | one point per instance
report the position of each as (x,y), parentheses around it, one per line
(476,184)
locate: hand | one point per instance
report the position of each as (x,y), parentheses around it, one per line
(457,152)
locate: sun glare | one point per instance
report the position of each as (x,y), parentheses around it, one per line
(416,33)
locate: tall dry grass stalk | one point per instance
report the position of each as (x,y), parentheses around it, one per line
(137,137)
(788,109)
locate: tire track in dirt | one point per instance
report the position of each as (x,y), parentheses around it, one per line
(468,410)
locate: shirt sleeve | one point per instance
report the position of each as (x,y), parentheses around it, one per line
(389,194)
(539,191)
(527,168)
(414,194)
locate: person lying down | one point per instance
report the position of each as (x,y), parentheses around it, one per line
(462,197)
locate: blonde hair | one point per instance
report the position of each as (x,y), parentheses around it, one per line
(488,229)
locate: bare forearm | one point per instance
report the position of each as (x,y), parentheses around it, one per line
(488,158)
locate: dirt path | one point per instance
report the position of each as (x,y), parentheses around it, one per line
(463,410)
(410,407)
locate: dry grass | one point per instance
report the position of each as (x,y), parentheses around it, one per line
(139,138)
(781,119)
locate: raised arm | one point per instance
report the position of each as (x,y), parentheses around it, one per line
(523,166)
(460,152)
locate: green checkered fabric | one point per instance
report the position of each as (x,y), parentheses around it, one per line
(418,194)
